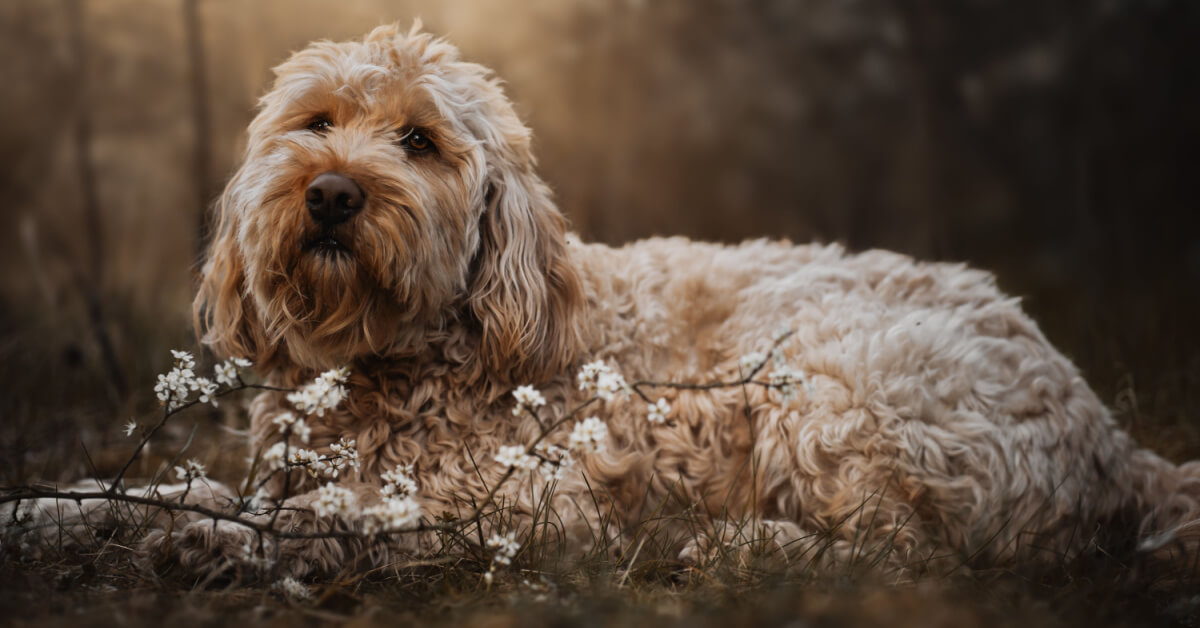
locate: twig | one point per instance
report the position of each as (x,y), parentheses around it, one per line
(169,412)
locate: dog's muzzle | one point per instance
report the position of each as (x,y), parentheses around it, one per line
(332,200)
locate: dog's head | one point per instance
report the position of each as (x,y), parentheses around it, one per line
(388,194)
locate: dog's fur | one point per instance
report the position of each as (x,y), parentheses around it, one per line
(939,423)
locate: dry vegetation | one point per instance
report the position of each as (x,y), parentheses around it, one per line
(1049,141)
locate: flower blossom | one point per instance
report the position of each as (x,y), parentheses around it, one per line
(658,411)
(751,362)
(599,379)
(173,387)
(130,427)
(392,514)
(398,482)
(311,461)
(515,456)
(588,435)
(273,456)
(226,373)
(191,470)
(785,379)
(324,393)
(333,500)
(207,389)
(555,461)
(504,547)
(528,398)
(183,359)
(343,454)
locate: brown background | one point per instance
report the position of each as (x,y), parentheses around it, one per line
(1052,142)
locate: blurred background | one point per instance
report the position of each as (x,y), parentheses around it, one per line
(1053,142)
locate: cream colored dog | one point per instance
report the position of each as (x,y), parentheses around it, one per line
(389,217)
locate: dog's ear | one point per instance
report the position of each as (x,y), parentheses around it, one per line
(524,291)
(222,312)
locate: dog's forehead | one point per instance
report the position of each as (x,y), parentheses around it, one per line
(386,73)
(350,70)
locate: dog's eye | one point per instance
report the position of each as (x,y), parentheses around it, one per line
(416,141)
(320,125)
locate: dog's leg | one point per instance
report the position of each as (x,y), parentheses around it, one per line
(1167,497)
(287,540)
(62,523)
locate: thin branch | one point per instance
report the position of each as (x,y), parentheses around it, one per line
(169,412)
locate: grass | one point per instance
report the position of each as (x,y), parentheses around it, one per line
(65,425)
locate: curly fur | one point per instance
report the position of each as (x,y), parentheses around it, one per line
(940,420)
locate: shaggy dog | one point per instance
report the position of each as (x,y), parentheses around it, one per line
(389,217)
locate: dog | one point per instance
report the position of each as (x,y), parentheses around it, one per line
(389,217)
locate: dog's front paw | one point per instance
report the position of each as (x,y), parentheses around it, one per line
(212,549)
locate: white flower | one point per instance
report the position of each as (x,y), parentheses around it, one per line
(226,373)
(241,363)
(394,513)
(207,388)
(588,435)
(292,588)
(515,456)
(785,379)
(191,470)
(555,461)
(324,393)
(504,547)
(599,379)
(781,333)
(398,482)
(273,457)
(173,388)
(658,411)
(130,427)
(751,361)
(343,455)
(183,359)
(311,461)
(528,398)
(333,500)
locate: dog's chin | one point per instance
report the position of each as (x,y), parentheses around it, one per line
(327,262)
(327,248)
(334,308)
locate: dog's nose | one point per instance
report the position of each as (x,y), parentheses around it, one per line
(333,198)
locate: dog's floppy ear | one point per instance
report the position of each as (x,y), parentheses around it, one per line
(524,291)
(222,312)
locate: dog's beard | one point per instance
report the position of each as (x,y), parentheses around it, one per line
(326,305)
(371,285)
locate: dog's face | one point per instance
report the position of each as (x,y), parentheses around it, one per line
(387,196)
